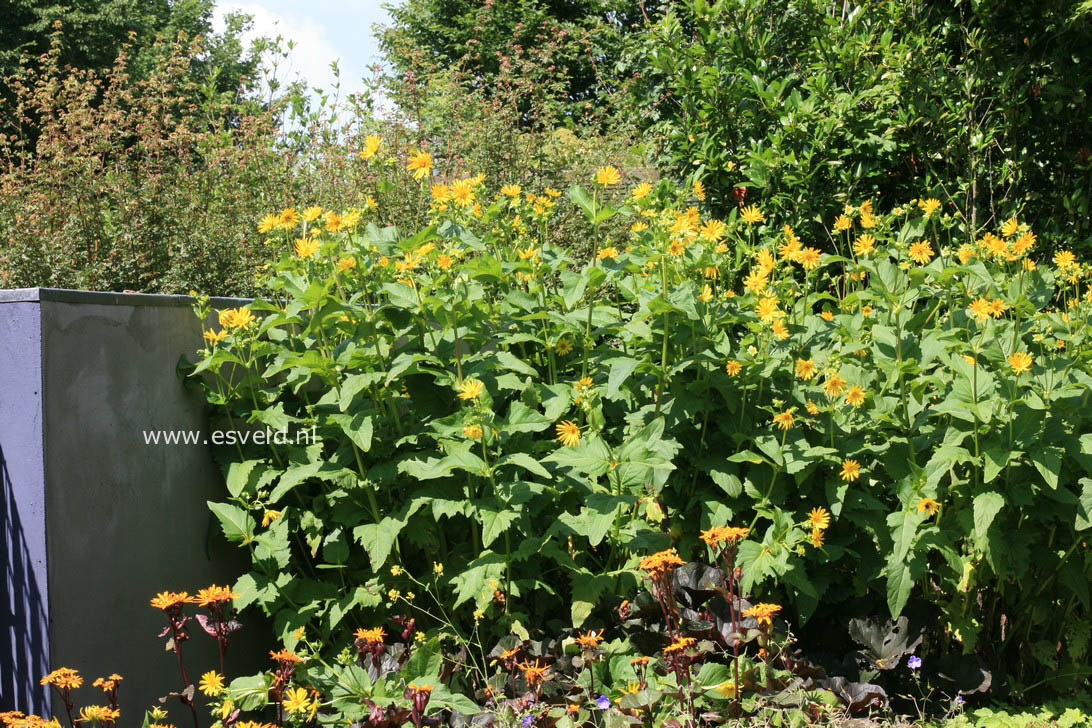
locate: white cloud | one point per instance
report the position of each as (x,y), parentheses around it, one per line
(312,51)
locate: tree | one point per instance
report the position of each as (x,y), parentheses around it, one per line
(91,34)
(579,44)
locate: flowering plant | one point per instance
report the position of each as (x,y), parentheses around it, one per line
(895,414)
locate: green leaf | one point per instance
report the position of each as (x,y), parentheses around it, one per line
(900,580)
(1084,506)
(250,692)
(238,525)
(1048,461)
(495,522)
(986,507)
(587,588)
(620,369)
(526,462)
(378,538)
(510,361)
(238,476)
(357,427)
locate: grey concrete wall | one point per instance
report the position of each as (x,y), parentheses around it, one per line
(24,626)
(124,518)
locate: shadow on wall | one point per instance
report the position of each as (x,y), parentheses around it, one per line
(23,620)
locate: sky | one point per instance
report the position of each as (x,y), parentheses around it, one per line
(323,31)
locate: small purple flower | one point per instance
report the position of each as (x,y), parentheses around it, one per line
(959,700)
(914,662)
(603,702)
(527,720)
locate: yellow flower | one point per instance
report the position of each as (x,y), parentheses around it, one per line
(306,247)
(236,318)
(471,389)
(869,220)
(347,263)
(462,193)
(733,367)
(310,214)
(288,218)
(563,346)
(638,227)
(819,518)
(755,281)
(834,385)
(811,407)
(511,190)
(212,683)
(706,294)
(928,505)
(843,223)
(420,163)
(296,700)
(1020,362)
(1024,243)
(335,223)
(268,223)
(214,336)
(851,470)
(444,261)
(765,261)
(227,708)
(965,253)
(1010,228)
(921,252)
(752,215)
(99,714)
(809,258)
(784,420)
(527,253)
(441,193)
(864,244)
(855,396)
(827,316)
(997,307)
(768,309)
(779,330)
(699,190)
(816,538)
(676,248)
(805,369)
(474,432)
(371,147)
(929,206)
(713,230)
(607,176)
(641,191)
(608,252)
(1065,259)
(568,433)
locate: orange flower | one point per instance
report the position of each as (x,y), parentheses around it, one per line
(784,420)
(374,635)
(214,595)
(170,600)
(588,640)
(285,656)
(63,678)
(722,534)
(535,673)
(762,613)
(680,644)
(662,562)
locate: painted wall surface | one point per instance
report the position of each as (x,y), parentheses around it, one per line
(23,605)
(124,517)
